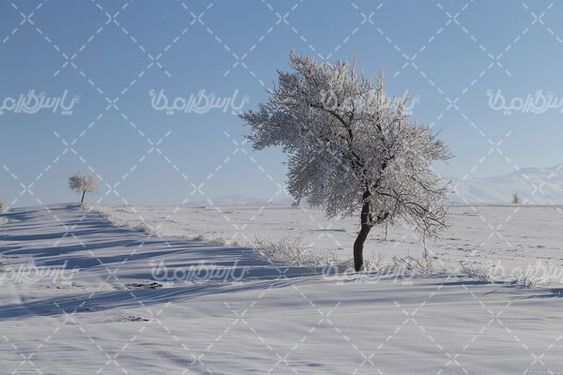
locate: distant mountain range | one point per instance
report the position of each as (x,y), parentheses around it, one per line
(533,185)
(543,186)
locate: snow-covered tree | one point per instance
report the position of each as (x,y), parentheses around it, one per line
(82,184)
(352,149)
(2,207)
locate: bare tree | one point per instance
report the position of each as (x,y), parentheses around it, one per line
(82,184)
(352,149)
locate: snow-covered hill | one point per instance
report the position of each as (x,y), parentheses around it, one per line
(533,185)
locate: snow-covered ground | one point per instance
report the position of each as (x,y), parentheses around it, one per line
(503,240)
(81,295)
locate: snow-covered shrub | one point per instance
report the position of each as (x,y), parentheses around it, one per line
(413,266)
(292,252)
(82,184)
(286,251)
(475,271)
(534,275)
(352,149)
(542,273)
(147,229)
(215,241)
(374,263)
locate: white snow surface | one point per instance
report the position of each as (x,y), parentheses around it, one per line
(512,239)
(272,318)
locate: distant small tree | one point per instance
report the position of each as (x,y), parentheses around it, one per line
(2,207)
(351,148)
(515,198)
(82,184)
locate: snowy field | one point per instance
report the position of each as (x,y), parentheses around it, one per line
(501,240)
(82,295)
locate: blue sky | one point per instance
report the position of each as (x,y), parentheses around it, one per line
(110,54)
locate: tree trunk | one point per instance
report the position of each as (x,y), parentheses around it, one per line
(83,195)
(359,247)
(364,231)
